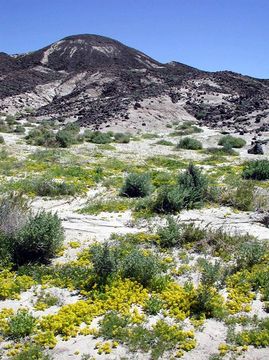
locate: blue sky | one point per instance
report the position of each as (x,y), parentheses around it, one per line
(208,34)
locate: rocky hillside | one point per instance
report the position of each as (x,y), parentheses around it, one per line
(101,82)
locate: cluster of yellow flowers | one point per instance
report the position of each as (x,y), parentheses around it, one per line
(106,347)
(239,292)
(4,316)
(12,284)
(119,296)
(177,301)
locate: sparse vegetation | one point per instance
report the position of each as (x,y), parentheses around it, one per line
(136,185)
(228,141)
(256,170)
(189,144)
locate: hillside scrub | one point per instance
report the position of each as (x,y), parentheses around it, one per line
(136,185)
(231,141)
(189,143)
(24,237)
(256,170)
(191,191)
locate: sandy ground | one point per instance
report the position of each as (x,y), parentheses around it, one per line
(89,228)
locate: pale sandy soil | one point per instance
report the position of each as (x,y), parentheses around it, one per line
(89,228)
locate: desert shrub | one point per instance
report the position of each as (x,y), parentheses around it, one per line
(2,141)
(164,142)
(189,144)
(97,137)
(33,352)
(136,185)
(225,150)
(140,267)
(11,120)
(191,191)
(46,187)
(104,260)
(231,141)
(192,234)
(64,138)
(212,274)
(240,197)
(195,185)
(19,129)
(121,138)
(4,127)
(249,254)
(153,306)
(38,240)
(170,235)
(20,325)
(209,303)
(41,136)
(187,128)
(13,214)
(256,170)
(170,199)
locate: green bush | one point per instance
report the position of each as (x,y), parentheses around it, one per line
(98,137)
(121,138)
(46,187)
(140,267)
(20,325)
(231,141)
(64,138)
(170,199)
(2,141)
(19,129)
(189,144)
(249,254)
(34,352)
(164,142)
(104,262)
(136,185)
(256,170)
(170,235)
(39,240)
(195,185)
(225,150)
(212,274)
(191,191)
(41,136)
(153,306)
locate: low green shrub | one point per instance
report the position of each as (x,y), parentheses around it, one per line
(256,170)
(164,142)
(231,141)
(98,137)
(170,235)
(19,129)
(38,240)
(33,352)
(20,325)
(170,199)
(189,144)
(122,138)
(2,140)
(153,306)
(223,151)
(190,192)
(249,254)
(136,185)
(140,267)
(104,260)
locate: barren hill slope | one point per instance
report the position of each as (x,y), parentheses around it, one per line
(99,81)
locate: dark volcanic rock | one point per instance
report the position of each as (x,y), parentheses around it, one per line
(95,79)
